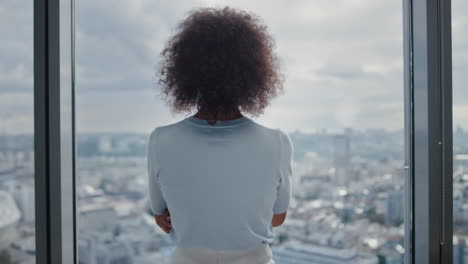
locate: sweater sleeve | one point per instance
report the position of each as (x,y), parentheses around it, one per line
(284,189)
(156,199)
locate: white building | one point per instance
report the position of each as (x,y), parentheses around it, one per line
(296,253)
(97,217)
(9,217)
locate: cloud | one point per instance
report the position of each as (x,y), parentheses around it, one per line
(460,61)
(16,50)
(343,60)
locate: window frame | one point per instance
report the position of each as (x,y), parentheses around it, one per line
(54,145)
(428,131)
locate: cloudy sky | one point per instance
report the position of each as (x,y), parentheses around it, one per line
(343,62)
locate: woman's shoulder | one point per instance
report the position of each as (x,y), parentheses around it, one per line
(274,131)
(162,130)
(278,140)
(275,135)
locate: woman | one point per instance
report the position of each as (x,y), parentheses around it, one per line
(219,181)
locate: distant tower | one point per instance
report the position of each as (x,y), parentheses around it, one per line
(341,151)
(105,144)
(25,199)
(394,208)
(459,249)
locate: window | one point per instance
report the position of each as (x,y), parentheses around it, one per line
(17,210)
(460,122)
(371,126)
(343,108)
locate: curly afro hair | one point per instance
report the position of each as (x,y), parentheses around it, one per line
(220,60)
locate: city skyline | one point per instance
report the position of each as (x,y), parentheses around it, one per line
(327,214)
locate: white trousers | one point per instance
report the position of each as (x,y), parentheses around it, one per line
(259,255)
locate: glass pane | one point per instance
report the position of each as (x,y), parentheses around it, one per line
(17,213)
(343,108)
(460,132)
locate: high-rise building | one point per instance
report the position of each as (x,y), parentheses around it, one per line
(394,212)
(460,251)
(341,153)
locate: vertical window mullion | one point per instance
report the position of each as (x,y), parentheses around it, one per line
(408,130)
(430,133)
(446,129)
(53,121)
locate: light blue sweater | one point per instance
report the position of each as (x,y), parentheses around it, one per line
(222,183)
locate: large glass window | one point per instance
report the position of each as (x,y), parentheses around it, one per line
(343,108)
(460,131)
(17,211)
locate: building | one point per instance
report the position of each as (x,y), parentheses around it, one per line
(93,251)
(97,217)
(296,253)
(9,217)
(460,251)
(394,213)
(341,154)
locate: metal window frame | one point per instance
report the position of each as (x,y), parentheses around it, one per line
(54,148)
(428,130)
(408,131)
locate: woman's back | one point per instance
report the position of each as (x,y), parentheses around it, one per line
(222,183)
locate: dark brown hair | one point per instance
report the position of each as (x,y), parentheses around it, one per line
(220,60)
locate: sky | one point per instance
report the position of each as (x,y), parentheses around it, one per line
(342,59)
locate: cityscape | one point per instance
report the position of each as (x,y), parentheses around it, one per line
(349,186)
(348,201)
